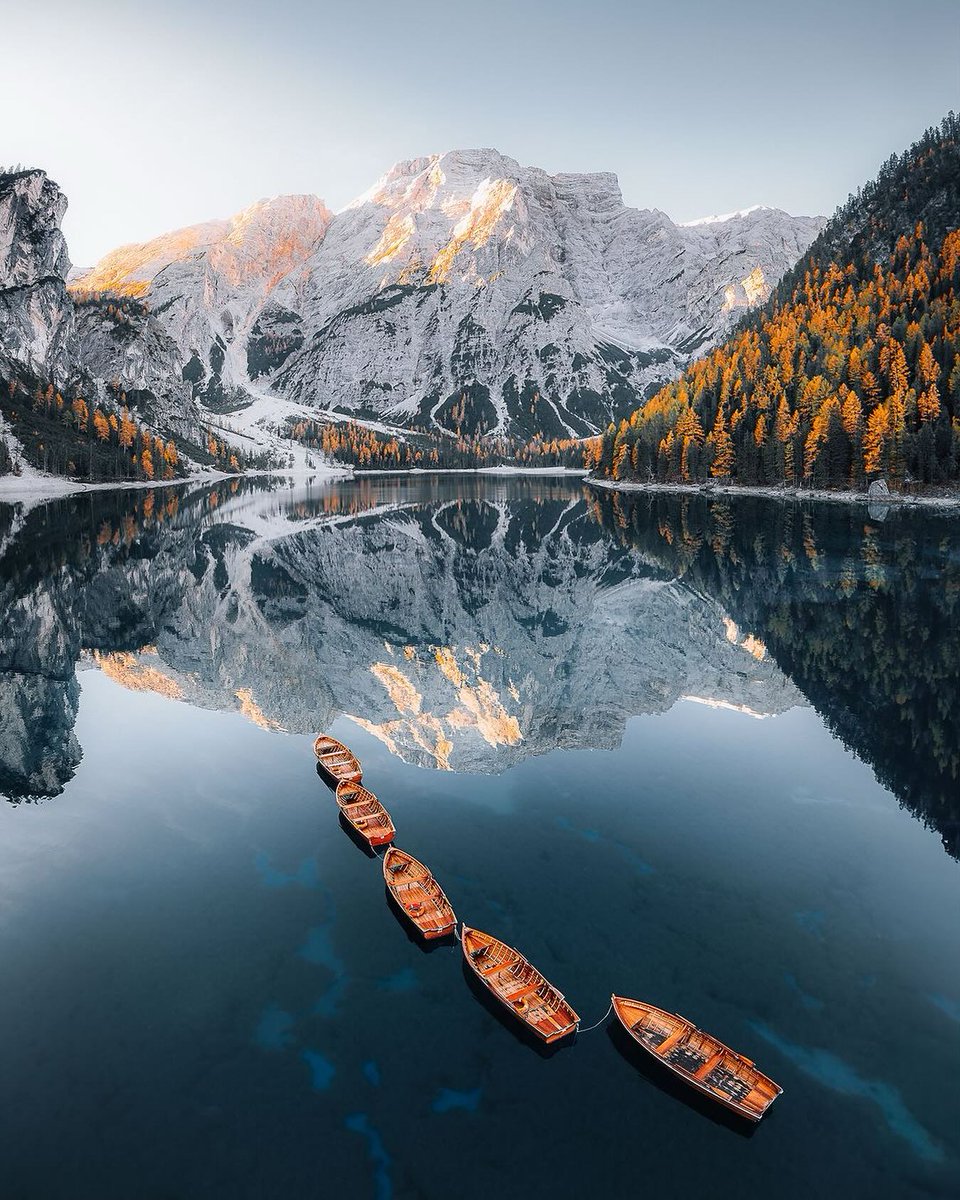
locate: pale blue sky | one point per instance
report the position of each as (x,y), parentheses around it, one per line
(155,115)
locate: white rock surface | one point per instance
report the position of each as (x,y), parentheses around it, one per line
(207,283)
(460,291)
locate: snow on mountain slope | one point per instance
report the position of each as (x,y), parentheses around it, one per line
(464,290)
(461,292)
(208,282)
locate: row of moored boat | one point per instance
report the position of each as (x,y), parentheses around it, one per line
(694,1056)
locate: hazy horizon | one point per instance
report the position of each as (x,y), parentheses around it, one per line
(154,120)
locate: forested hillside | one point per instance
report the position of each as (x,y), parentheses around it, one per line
(850,373)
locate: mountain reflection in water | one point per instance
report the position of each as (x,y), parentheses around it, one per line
(471,622)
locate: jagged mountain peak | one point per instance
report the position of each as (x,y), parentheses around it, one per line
(269,236)
(722,218)
(462,292)
(517,300)
(37,333)
(31,244)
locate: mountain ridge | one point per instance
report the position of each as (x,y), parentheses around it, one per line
(459,248)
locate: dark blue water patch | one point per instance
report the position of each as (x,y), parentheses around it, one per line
(321,1068)
(404,980)
(947,1005)
(839,1076)
(811,920)
(165,903)
(274,1029)
(449,1100)
(588,835)
(810,1002)
(318,949)
(594,836)
(306,875)
(639,865)
(383,1185)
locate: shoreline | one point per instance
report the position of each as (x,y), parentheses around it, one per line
(891,500)
(34,489)
(572,471)
(38,489)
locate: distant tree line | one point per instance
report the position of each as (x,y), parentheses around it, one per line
(358,445)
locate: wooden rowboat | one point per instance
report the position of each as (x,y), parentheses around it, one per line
(365,813)
(336,761)
(518,985)
(697,1058)
(418,894)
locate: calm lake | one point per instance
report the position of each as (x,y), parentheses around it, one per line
(700,752)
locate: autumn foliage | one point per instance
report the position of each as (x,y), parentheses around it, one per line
(362,447)
(851,378)
(852,372)
(85,439)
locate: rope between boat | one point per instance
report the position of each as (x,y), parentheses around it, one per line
(589,1028)
(379,851)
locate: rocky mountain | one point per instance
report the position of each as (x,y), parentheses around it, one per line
(208,284)
(462,292)
(112,355)
(37,333)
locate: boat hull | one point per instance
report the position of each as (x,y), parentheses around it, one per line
(717,1060)
(365,814)
(418,896)
(518,986)
(337,763)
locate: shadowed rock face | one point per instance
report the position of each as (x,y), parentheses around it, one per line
(45,338)
(37,332)
(465,633)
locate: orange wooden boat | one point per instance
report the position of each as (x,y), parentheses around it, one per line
(518,985)
(336,761)
(697,1058)
(365,813)
(418,894)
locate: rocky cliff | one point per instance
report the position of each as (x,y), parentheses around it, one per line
(208,283)
(80,345)
(460,292)
(37,333)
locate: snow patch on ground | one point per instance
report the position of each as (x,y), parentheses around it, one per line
(891,500)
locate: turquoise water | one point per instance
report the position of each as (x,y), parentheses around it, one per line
(702,754)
